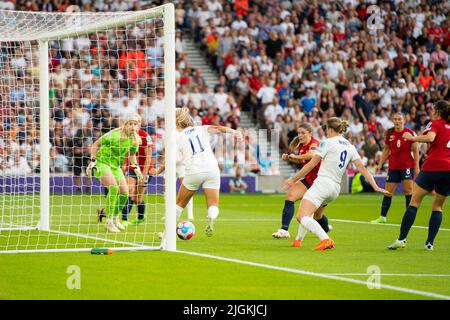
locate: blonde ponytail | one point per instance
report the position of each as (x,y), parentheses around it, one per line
(338,125)
(344,126)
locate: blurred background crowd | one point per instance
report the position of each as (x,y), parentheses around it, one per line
(283,62)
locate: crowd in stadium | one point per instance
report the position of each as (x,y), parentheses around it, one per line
(290,62)
(286,62)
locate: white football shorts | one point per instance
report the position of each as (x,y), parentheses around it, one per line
(209,180)
(322,192)
(181,169)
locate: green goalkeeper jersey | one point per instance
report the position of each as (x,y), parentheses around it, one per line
(114,149)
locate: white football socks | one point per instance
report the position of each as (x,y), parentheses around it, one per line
(213,212)
(179,211)
(301,232)
(313,226)
(190,209)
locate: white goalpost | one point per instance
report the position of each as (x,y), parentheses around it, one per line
(65,80)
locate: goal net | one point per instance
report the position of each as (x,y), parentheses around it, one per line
(65,80)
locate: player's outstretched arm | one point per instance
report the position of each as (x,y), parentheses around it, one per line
(223,129)
(426,138)
(369,177)
(301,157)
(93,150)
(303,172)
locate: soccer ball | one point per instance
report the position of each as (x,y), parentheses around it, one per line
(185,230)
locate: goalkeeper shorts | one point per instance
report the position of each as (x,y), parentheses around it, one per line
(101,168)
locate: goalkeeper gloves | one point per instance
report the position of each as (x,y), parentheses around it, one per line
(90,167)
(138,173)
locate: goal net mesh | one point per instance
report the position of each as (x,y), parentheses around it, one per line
(102,68)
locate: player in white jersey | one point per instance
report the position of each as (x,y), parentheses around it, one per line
(336,153)
(201,167)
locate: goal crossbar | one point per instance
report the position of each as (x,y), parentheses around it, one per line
(97,21)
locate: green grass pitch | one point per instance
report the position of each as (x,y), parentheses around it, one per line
(259,267)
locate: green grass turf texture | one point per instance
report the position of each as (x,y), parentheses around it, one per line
(243,231)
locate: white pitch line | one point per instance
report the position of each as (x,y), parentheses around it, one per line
(333,205)
(96,238)
(337,220)
(384,224)
(319,275)
(390,274)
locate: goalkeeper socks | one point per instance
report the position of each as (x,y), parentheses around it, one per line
(407,222)
(313,226)
(111,200)
(385,205)
(408,199)
(141,210)
(433,226)
(127,209)
(288,213)
(122,200)
(324,223)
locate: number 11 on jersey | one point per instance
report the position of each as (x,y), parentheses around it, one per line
(194,147)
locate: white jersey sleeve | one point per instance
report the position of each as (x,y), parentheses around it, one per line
(323,149)
(354,154)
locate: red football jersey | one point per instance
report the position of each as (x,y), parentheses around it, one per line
(400,157)
(312,145)
(438,158)
(146,140)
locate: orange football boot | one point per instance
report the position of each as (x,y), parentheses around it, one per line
(297,243)
(325,244)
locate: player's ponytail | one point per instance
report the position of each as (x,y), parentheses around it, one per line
(183,118)
(443,108)
(344,126)
(338,125)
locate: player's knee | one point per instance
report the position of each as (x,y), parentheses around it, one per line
(415,201)
(318,215)
(213,212)
(291,197)
(301,220)
(113,189)
(437,206)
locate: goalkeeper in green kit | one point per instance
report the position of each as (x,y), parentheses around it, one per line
(107,155)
